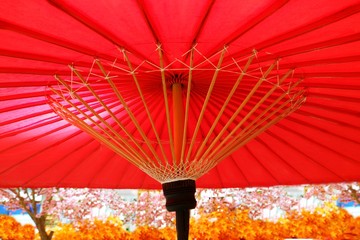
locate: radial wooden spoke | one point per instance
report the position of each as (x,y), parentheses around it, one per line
(133,74)
(206,101)
(239,109)
(167,108)
(229,97)
(112,115)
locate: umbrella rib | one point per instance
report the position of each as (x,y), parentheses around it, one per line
(334,109)
(235,114)
(44,170)
(148,22)
(108,110)
(281,158)
(220,114)
(23,106)
(322,129)
(52,40)
(38,57)
(206,101)
(244,138)
(38,124)
(202,23)
(33,71)
(333,97)
(103,166)
(12,84)
(167,109)
(288,144)
(261,164)
(236,143)
(309,27)
(328,119)
(324,61)
(187,104)
(19,119)
(146,107)
(71,117)
(76,119)
(320,45)
(34,138)
(118,148)
(349,159)
(131,115)
(200,28)
(92,25)
(236,163)
(39,152)
(272,8)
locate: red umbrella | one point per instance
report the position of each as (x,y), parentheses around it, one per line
(228,93)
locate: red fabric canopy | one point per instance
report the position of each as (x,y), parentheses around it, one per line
(319,40)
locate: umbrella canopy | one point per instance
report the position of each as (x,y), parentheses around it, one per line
(131,69)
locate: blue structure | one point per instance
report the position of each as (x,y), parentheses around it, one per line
(346,204)
(5,211)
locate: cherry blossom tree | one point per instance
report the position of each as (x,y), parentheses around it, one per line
(149,209)
(344,192)
(59,203)
(27,200)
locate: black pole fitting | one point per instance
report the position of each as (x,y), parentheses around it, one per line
(180,197)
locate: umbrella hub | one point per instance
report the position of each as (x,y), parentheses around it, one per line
(177,78)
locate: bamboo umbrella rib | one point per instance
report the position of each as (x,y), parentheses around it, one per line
(263,99)
(91,109)
(230,95)
(112,115)
(59,110)
(259,117)
(130,113)
(87,128)
(237,143)
(244,139)
(130,135)
(68,115)
(247,134)
(145,105)
(225,128)
(187,104)
(207,98)
(167,109)
(254,108)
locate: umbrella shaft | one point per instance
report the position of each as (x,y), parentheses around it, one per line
(182,224)
(178,120)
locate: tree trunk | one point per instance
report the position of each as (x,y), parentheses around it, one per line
(41,227)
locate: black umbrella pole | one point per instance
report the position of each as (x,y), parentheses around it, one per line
(182,224)
(180,197)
